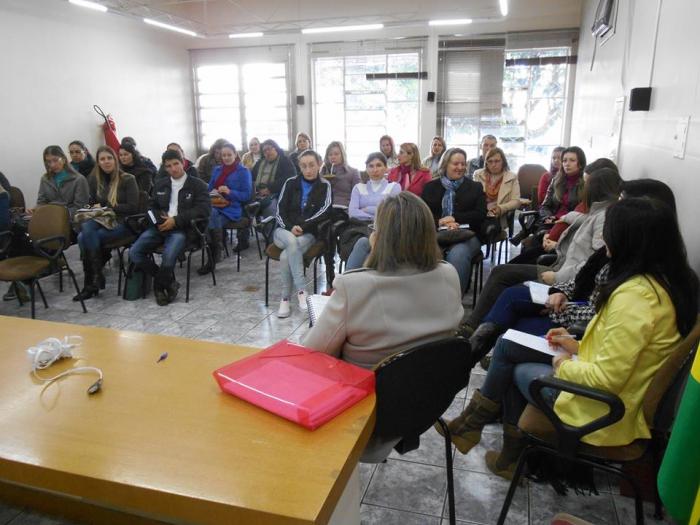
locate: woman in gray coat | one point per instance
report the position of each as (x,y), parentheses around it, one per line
(61,184)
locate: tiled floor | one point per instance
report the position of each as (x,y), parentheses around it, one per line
(406,490)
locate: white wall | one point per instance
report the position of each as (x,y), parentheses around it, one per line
(58,60)
(625,62)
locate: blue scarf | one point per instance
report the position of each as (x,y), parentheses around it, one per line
(448,199)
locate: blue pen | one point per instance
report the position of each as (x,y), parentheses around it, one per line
(578,303)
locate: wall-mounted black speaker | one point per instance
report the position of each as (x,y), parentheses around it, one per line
(431,96)
(640,99)
(300,100)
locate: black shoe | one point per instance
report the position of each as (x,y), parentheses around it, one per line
(161,297)
(206,268)
(171,290)
(86,293)
(483,339)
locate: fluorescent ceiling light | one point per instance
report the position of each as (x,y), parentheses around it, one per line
(89,5)
(245,35)
(168,26)
(338,29)
(504,7)
(454,22)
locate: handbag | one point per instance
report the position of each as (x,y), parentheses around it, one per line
(105,217)
(219,202)
(450,237)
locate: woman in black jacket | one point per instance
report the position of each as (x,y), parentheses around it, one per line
(270,174)
(80,158)
(457,202)
(132,162)
(110,188)
(304,202)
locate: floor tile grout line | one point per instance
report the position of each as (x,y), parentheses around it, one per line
(403,510)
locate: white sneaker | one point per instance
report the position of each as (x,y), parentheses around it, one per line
(301,296)
(285,309)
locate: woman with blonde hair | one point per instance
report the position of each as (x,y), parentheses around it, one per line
(336,170)
(253,155)
(302,142)
(405,295)
(111,188)
(386,146)
(410,173)
(501,186)
(432,161)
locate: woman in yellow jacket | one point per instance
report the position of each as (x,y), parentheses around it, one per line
(649,301)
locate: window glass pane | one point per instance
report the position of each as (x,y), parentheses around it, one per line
(365,64)
(402,89)
(218,101)
(377,117)
(548,81)
(401,119)
(359,83)
(220,115)
(365,101)
(404,63)
(545,121)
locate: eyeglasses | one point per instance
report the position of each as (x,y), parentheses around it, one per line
(372,227)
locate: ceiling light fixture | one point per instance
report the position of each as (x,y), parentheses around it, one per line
(338,29)
(169,27)
(245,35)
(504,7)
(89,5)
(454,22)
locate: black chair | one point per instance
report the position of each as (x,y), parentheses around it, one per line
(311,257)
(413,389)
(247,221)
(16,198)
(549,435)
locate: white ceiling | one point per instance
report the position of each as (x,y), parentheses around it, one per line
(220,17)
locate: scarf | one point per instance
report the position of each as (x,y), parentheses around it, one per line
(225,172)
(493,186)
(267,172)
(60,177)
(451,186)
(404,175)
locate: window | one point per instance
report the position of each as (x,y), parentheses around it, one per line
(241,93)
(357,111)
(520,96)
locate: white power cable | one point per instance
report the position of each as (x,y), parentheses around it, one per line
(50,350)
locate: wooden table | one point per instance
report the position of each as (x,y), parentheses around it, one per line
(161,442)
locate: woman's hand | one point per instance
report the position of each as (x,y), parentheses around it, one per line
(223,190)
(446,220)
(297,230)
(549,245)
(559,359)
(453,226)
(557,302)
(496,211)
(547,278)
(559,337)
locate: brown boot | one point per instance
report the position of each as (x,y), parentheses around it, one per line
(466,429)
(503,464)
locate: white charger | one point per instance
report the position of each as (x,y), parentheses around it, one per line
(50,350)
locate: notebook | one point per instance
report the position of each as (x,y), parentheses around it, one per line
(299,384)
(316,304)
(533,342)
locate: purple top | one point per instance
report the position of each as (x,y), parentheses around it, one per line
(365,198)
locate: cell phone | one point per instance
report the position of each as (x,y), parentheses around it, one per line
(155,220)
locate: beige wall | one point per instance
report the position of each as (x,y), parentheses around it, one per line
(625,62)
(58,60)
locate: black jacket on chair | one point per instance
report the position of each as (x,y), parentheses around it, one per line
(318,206)
(469,203)
(193,202)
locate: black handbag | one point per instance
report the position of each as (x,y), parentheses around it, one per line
(450,237)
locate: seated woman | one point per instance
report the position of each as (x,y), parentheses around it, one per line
(432,161)
(251,156)
(403,297)
(410,173)
(364,201)
(386,146)
(648,303)
(456,200)
(61,184)
(575,246)
(336,170)
(549,238)
(131,162)
(500,185)
(569,302)
(547,176)
(302,143)
(110,187)
(269,174)
(210,160)
(232,185)
(189,167)
(304,202)
(80,158)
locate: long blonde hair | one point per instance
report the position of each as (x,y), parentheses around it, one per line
(409,147)
(99,175)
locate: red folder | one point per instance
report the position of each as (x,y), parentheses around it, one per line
(299,384)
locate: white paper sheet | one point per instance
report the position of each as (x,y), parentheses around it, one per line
(534,342)
(539,293)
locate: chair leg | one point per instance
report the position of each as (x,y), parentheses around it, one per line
(15,287)
(257,241)
(32,298)
(75,284)
(41,293)
(638,503)
(213,266)
(450,476)
(120,253)
(238,259)
(60,280)
(519,471)
(267,280)
(189,265)
(316,277)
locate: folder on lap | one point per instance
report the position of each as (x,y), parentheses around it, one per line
(296,383)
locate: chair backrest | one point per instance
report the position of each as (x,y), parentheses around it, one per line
(50,220)
(16,197)
(662,397)
(416,386)
(529,177)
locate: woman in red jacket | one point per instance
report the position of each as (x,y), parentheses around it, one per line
(410,173)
